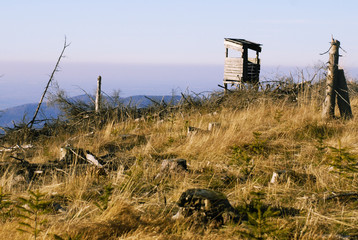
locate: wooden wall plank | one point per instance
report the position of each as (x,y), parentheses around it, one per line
(232,46)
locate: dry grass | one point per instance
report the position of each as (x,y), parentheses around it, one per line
(275,133)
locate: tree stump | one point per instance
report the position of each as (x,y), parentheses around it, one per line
(336,87)
(343,96)
(332,76)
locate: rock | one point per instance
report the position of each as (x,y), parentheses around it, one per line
(280,176)
(209,205)
(170,165)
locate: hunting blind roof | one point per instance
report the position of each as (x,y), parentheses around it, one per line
(242,42)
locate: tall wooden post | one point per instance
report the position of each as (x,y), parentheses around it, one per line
(331,82)
(98,94)
(245,63)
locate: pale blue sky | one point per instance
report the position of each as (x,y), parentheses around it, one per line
(117,35)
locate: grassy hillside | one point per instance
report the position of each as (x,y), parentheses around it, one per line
(260,133)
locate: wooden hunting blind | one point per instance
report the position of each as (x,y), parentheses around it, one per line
(241,69)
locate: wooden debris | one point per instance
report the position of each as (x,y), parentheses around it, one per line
(213,125)
(343,196)
(194,130)
(206,204)
(281,176)
(92,159)
(169,165)
(17,147)
(71,155)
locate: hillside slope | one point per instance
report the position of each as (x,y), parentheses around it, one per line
(288,173)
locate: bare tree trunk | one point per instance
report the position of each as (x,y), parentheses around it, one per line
(332,78)
(343,96)
(31,123)
(98,95)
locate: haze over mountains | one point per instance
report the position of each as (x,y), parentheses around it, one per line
(24,82)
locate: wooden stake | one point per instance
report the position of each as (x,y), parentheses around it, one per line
(332,76)
(98,95)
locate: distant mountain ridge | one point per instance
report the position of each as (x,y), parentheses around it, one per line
(25,112)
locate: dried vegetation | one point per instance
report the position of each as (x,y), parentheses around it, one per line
(314,195)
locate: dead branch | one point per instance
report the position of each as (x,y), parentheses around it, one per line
(224,87)
(153,101)
(188,100)
(162,102)
(31,123)
(341,195)
(326,51)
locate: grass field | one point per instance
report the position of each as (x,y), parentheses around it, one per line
(260,133)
